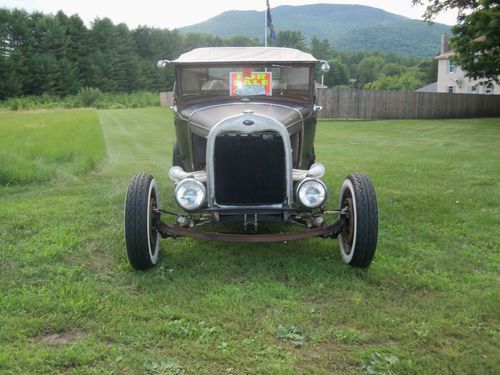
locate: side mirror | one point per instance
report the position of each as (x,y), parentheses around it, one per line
(163,63)
(325,67)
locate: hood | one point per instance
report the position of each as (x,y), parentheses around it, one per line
(203,118)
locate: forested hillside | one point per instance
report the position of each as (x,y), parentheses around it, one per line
(58,55)
(347,27)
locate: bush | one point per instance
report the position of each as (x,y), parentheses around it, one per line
(88,96)
(403,82)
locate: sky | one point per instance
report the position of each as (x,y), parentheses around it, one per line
(174,14)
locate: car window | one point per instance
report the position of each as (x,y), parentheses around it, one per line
(233,81)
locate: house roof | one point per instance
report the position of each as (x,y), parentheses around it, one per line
(429,88)
(445,55)
(450,53)
(244,55)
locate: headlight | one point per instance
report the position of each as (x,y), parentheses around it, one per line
(311,193)
(190,194)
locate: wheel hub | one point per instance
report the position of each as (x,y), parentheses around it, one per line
(154,223)
(350,222)
(347,237)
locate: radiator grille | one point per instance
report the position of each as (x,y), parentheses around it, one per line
(249,169)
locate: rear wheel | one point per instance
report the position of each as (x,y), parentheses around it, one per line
(359,202)
(141,235)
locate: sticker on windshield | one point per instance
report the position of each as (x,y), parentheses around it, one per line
(251,83)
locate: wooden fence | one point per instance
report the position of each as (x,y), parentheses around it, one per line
(357,103)
(369,104)
(166,98)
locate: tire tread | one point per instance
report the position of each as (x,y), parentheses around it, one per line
(136,213)
(367,220)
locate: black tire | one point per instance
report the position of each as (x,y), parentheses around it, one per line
(141,237)
(176,157)
(359,241)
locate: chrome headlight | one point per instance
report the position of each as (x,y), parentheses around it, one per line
(190,194)
(311,193)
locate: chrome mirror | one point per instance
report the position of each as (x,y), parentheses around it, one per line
(325,67)
(163,63)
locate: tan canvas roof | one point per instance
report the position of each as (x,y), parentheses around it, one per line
(244,54)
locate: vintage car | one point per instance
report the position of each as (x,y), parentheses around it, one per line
(245,121)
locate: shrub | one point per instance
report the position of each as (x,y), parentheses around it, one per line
(88,96)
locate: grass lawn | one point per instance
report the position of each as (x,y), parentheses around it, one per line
(40,146)
(70,302)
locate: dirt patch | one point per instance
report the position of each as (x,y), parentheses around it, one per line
(61,338)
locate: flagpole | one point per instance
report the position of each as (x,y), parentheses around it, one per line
(265,27)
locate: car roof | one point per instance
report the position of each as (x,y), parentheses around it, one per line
(244,54)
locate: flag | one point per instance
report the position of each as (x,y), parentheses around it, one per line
(270,22)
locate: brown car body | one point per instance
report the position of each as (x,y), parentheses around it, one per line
(245,121)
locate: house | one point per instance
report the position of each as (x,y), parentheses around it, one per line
(429,88)
(453,80)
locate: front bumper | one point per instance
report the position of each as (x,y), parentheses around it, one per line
(326,231)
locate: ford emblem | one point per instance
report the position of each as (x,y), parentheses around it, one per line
(248,122)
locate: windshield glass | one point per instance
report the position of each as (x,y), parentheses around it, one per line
(246,81)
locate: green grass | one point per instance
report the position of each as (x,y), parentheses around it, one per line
(40,146)
(429,303)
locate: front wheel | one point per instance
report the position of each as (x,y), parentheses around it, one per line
(141,235)
(359,203)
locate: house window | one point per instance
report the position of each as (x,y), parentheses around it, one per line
(452,68)
(488,89)
(473,89)
(451,89)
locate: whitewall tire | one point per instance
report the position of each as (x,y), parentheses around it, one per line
(359,202)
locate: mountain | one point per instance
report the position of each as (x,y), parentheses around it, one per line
(348,27)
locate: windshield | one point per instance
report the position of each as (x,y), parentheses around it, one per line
(246,81)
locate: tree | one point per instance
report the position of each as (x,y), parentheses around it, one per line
(291,39)
(369,69)
(241,41)
(392,69)
(77,48)
(435,7)
(126,65)
(18,47)
(152,45)
(338,74)
(476,39)
(429,69)
(197,40)
(102,58)
(321,49)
